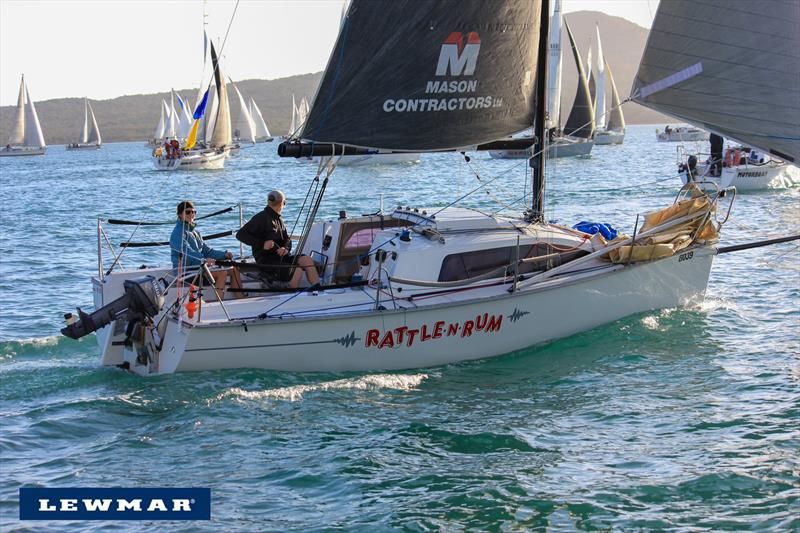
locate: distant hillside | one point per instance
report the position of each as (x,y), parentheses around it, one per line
(133,117)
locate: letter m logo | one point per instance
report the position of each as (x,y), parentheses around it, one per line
(459,58)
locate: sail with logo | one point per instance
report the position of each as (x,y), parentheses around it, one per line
(721,66)
(395,82)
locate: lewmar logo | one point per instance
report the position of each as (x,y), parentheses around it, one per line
(114,504)
(458,58)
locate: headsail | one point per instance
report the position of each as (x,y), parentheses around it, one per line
(616,120)
(170,129)
(222,125)
(554,69)
(94,132)
(727,67)
(33,130)
(84,138)
(293,124)
(246,126)
(159,131)
(18,133)
(261,126)
(580,122)
(423,76)
(600,84)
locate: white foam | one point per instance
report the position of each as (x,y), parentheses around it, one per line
(296,392)
(38,341)
(650,322)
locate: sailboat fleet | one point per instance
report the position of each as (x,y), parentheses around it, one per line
(26,134)
(420,286)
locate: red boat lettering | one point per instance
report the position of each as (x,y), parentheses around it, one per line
(394,338)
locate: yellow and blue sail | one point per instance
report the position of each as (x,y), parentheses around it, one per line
(198,114)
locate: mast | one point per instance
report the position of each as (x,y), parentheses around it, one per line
(537,162)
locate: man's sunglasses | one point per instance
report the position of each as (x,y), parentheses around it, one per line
(189,211)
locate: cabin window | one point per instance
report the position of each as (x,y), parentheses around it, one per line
(465,265)
(361,238)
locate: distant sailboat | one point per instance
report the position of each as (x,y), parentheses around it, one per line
(262,132)
(245,127)
(26,136)
(90,133)
(613,131)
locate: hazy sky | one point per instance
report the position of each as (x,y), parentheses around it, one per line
(103,49)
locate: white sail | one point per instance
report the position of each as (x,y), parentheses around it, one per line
(616,120)
(18,133)
(184,118)
(293,125)
(33,130)
(170,130)
(600,85)
(245,125)
(554,69)
(261,126)
(211,114)
(84,137)
(94,133)
(159,131)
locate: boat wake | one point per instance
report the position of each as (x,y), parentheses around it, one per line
(402,382)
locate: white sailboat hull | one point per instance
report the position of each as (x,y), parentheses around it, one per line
(562,147)
(772,175)
(22,150)
(605,137)
(433,334)
(682,135)
(71,147)
(195,161)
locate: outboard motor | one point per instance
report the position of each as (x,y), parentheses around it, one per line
(143,297)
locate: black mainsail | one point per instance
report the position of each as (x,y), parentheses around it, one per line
(412,75)
(729,66)
(580,122)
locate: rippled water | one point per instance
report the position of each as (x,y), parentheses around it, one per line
(672,420)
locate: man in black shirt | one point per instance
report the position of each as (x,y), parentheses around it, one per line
(266,234)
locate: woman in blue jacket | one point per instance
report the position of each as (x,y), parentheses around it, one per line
(187,244)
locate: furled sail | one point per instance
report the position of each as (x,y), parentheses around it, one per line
(84,137)
(94,132)
(600,84)
(616,120)
(262,132)
(159,131)
(554,69)
(580,122)
(222,125)
(423,76)
(18,133)
(33,130)
(728,66)
(246,126)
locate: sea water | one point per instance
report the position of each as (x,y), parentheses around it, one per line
(679,419)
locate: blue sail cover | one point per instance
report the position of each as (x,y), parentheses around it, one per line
(423,75)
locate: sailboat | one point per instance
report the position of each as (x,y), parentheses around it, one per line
(610,126)
(209,154)
(246,127)
(262,134)
(417,286)
(90,133)
(26,136)
(576,137)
